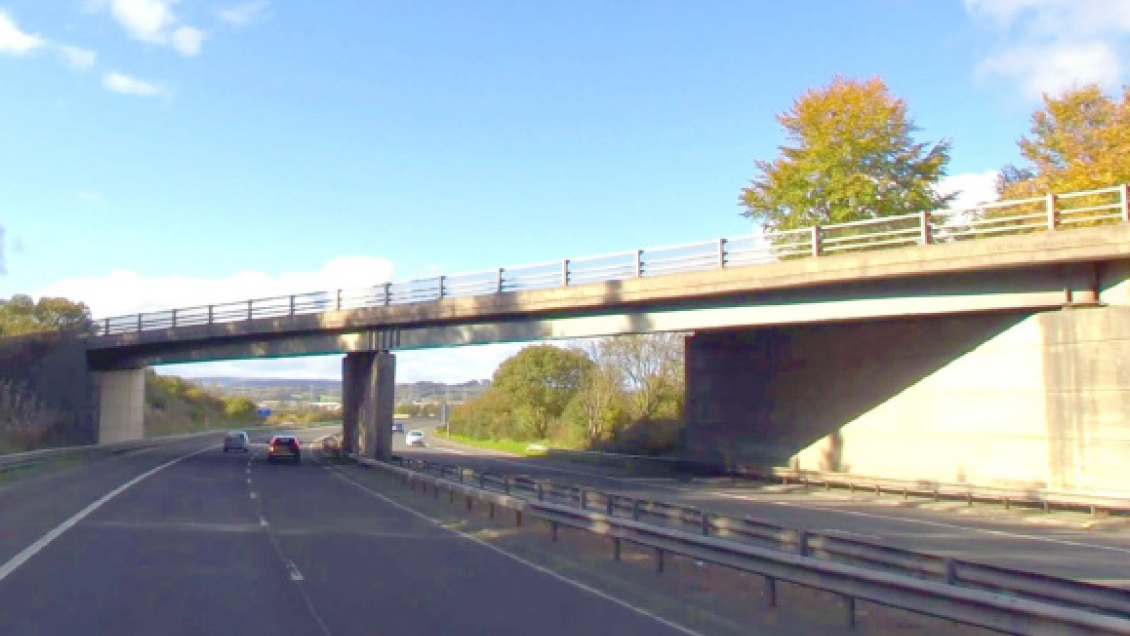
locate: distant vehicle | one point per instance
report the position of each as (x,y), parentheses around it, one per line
(414,438)
(237,441)
(283,447)
(397,427)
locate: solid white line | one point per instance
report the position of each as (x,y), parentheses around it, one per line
(449,450)
(295,575)
(514,557)
(15,562)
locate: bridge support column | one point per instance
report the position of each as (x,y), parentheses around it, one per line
(368,400)
(121,416)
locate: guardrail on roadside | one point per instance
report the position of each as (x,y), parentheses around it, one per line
(1045,499)
(1046,213)
(974,605)
(819,545)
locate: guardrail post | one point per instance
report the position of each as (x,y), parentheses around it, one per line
(951,571)
(615,548)
(506,485)
(250,309)
(659,560)
(705,522)
(210,310)
(106,331)
(639,263)
(540,490)
(721,253)
(498,287)
(770,591)
(1124,195)
(565,273)
(849,602)
(483,481)
(582,495)
(174,319)
(439,284)
(337,300)
(292,304)
(802,542)
(468,503)
(553,531)
(388,293)
(611,505)
(518,518)
(816,240)
(924,225)
(139,322)
(1053,219)
(635,510)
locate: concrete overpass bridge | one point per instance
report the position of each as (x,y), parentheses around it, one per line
(985,345)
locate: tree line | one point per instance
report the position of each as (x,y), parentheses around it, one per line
(851,156)
(21,315)
(622,391)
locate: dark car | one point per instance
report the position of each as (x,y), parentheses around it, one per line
(284,447)
(397,427)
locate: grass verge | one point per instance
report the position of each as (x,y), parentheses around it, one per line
(509,446)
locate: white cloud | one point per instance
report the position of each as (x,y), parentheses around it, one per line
(1052,45)
(77,58)
(244,12)
(972,188)
(146,20)
(457,364)
(120,83)
(152,21)
(187,40)
(125,292)
(13,41)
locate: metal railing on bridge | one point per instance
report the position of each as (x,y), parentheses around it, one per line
(1047,213)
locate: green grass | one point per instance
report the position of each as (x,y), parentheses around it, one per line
(509,446)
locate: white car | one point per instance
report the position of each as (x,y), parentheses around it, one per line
(414,438)
(236,441)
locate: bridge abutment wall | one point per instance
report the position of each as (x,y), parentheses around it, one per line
(1021,399)
(121,416)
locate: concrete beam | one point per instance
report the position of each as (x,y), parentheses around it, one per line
(121,416)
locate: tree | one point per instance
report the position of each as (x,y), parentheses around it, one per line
(652,368)
(1079,141)
(540,381)
(851,158)
(20,315)
(240,409)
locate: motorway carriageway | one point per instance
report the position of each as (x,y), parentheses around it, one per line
(1069,545)
(184,539)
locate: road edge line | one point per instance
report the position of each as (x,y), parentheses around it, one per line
(23,556)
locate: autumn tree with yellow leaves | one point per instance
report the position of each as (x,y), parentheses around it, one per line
(850,157)
(1080,140)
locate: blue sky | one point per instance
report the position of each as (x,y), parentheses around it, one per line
(156,153)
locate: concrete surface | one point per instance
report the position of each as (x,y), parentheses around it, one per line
(1022,400)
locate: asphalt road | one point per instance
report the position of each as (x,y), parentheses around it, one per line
(208,543)
(1068,545)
